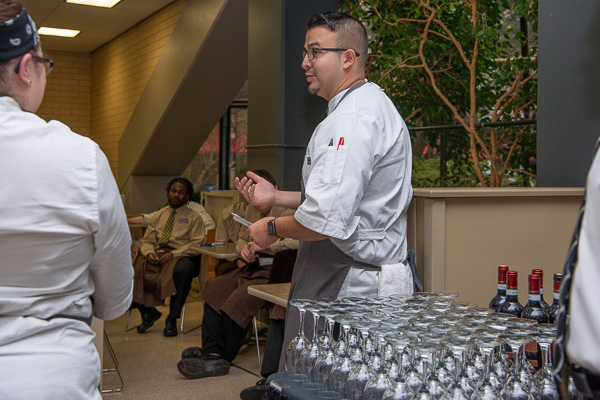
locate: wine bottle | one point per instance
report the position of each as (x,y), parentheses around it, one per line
(511,305)
(501,293)
(533,309)
(540,272)
(553,309)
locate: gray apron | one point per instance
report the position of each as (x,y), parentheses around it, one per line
(320,270)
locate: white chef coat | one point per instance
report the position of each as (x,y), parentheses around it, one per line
(64,241)
(584,328)
(356,176)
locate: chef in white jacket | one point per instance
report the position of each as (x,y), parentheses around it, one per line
(64,240)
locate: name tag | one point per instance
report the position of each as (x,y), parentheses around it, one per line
(183,221)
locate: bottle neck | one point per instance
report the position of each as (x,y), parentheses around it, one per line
(512,293)
(501,289)
(535,300)
(556,298)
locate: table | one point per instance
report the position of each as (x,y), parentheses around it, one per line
(276,293)
(225,251)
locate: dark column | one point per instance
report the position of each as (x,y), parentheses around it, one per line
(569,90)
(281,113)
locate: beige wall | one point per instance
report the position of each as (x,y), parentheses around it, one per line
(461,236)
(95,94)
(120,71)
(68,91)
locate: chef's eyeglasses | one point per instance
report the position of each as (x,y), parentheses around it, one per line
(311,52)
(47,62)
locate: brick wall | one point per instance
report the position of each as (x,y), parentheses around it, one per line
(119,72)
(67,97)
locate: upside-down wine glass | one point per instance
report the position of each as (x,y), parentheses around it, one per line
(358,377)
(378,381)
(298,344)
(487,391)
(456,391)
(399,390)
(516,389)
(312,351)
(544,386)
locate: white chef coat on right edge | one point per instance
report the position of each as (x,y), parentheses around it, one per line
(357,177)
(584,329)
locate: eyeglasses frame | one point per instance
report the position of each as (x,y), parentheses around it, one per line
(311,50)
(39,59)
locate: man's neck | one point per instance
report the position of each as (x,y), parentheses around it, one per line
(348,84)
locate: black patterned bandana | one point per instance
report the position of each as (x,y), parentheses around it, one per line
(17,36)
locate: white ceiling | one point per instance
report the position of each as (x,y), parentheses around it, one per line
(97,25)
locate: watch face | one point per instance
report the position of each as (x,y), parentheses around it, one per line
(271,228)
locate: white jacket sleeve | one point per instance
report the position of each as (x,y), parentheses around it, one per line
(111,268)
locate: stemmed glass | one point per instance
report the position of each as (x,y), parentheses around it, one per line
(544,387)
(358,377)
(325,362)
(312,351)
(431,382)
(516,388)
(487,390)
(399,389)
(461,388)
(414,379)
(378,381)
(344,364)
(298,344)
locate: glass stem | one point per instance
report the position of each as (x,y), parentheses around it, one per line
(301,333)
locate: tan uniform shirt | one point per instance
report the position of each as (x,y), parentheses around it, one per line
(188,230)
(228,230)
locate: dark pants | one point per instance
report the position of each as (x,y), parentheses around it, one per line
(273,347)
(183,273)
(225,266)
(221,335)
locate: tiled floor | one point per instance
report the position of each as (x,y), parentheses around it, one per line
(148,362)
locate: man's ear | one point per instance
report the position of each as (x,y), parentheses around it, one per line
(349,58)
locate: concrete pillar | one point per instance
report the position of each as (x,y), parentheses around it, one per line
(569,90)
(281,113)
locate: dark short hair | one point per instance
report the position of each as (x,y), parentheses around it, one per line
(350,31)
(263,173)
(188,185)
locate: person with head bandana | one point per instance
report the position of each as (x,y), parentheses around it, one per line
(64,238)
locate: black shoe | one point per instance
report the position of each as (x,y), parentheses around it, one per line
(255,392)
(148,320)
(170,327)
(191,352)
(195,368)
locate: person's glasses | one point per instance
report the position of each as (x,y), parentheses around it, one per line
(47,62)
(313,51)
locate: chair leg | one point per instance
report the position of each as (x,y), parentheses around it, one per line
(127,328)
(113,357)
(182,318)
(257,342)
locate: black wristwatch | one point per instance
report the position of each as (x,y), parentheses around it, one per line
(271,230)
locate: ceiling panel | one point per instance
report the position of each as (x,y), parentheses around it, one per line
(97,25)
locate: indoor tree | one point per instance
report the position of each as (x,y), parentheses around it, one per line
(469,63)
